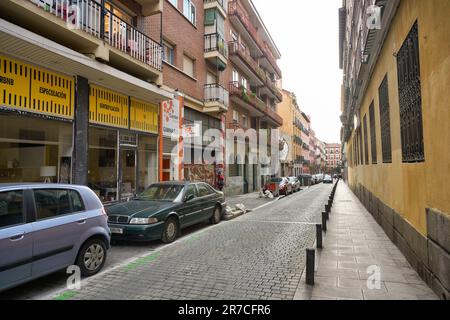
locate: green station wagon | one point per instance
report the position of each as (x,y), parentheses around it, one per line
(164,209)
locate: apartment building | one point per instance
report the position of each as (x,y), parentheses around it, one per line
(80,92)
(195,56)
(254,78)
(395,123)
(289,110)
(333,157)
(305,127)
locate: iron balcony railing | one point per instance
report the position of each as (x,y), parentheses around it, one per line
(216,93)
(214,42)
(235,48)
(222,3)
(93,18)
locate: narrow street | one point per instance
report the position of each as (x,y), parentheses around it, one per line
(259,255)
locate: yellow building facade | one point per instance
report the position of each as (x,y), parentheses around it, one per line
(409,198)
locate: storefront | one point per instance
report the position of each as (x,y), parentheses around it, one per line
(36,123)
(37,142)
(123,144)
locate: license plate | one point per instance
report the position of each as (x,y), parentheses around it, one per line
(116,230)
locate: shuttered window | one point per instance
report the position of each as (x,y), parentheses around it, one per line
(373,136)
(410,96)
(385,121)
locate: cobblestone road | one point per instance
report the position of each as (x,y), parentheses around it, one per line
(259,255)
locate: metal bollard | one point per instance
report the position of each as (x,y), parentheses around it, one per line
(319,236)
(310,265)
(324,221)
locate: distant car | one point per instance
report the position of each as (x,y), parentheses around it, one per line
(305,179)
(164,209)
(46,228)
(296,186)
(327,179)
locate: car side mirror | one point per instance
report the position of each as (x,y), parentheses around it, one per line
(188,198)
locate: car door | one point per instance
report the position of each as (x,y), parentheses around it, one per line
(190,209)
(56,231)
(16,242)
(206,195)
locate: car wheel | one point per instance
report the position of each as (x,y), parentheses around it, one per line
(91,257)
(217,215)
(170,230)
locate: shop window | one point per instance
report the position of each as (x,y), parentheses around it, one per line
(409,87)
(102,167)
(40,154)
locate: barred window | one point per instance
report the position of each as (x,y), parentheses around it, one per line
(385,121)
(373,137)
(366,149)
(410,97)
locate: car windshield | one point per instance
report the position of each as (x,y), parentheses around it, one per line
(161,192)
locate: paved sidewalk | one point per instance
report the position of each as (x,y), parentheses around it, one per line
(353,244)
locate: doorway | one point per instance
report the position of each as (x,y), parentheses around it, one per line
(128,165)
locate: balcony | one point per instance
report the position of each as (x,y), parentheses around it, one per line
(216,50)
(151,7)
(246,99)
(272,117)
(216,98)
(220,5)
(239,17)
(258,76)
(88,27)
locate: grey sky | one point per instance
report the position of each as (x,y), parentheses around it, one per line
(306,32)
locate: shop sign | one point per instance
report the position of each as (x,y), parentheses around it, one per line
(191,131)
(171,118)
(108,107)
(34,89)
(143,116)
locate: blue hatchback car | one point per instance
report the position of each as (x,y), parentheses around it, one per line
(48,227)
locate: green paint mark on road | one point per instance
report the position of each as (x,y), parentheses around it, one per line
(65,295)
(141,261)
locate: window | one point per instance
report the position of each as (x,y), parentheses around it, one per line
(210,17)
(235,77)
(188,66)
(385,121)
(51,203)
(191,190)
(76,202)
(203,190)
(168,53)
(174,3)
(234,36)
(410,96)
(244,121)
(235,116)
(366,149)
(373,137)
(11,208)
(189,11)
(361,157)
(244,83)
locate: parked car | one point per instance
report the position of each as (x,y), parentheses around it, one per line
(305,179)
(162,210)
(278,186)
(47,227)
(327,179)
(295,184)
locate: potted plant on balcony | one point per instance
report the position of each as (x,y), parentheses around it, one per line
(245,95)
